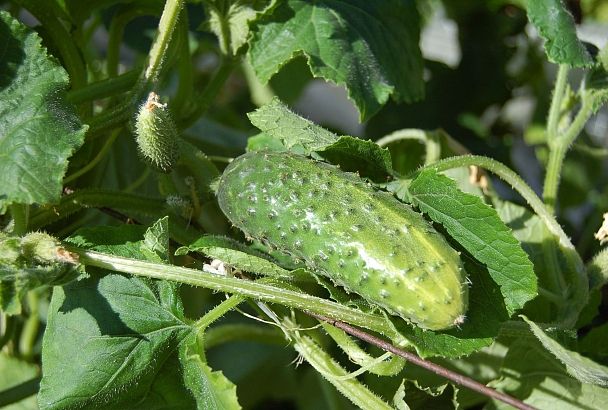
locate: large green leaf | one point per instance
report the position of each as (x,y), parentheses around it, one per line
(107,333)
(278,122)
(39,130)
(477,227)
(369,47)
(556,25)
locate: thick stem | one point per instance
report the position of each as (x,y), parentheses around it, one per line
(20,215)
(556,102)
(29,334)
(183,95)
(166,26)
(110,119)
(218,311)
(97,198)
(105,88)
(210,92)
(558,148)
(552,175)
(245,288)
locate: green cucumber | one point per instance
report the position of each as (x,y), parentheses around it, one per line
(156,135)
(362,239)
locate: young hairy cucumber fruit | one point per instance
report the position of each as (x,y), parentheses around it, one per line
(156,135)
(361,238)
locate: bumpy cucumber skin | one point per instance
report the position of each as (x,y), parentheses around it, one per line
(156,135)
(364,240)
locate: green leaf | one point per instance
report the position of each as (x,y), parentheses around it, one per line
(237,255)
(107,333)
(300,135)
(596,82)
(275,119)
(14,372)
(334,373)
(485,315)
(39,130)
(264,142)
(399,398)
(556,25)
(366,157)
(230,20)
(477,227)
(566,300)
(533,375)
(581,368)
(156,241)
(211,389)
(369,47)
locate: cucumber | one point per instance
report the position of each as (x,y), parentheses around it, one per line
(362,239)
(156,135)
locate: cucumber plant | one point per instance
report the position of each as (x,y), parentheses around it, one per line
(145,249)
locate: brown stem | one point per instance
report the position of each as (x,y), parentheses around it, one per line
(425,364)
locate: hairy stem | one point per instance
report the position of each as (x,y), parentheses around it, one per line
(29,334)
(245,288)
(20,215)
(110,119)
(166,27)
(556,102)
(206,98)
(559,146)
(105,88)
(97,198)
(218,311)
